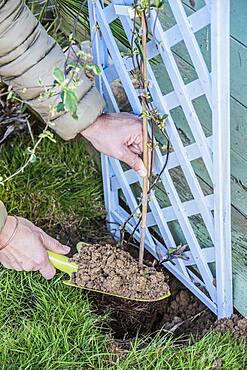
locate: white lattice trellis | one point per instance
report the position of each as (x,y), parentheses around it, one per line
(207,272)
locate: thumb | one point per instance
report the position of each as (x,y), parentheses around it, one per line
(134,161)
(53,245)
(48,271)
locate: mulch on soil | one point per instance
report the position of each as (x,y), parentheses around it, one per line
(113,270)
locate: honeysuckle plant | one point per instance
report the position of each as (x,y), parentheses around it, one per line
(152,119)
(66,82)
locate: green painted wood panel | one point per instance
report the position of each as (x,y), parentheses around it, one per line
(238,120)
(239,238)
(238,135)
(238,17)
(238,163)
(239,20)
(238,46)
(239,71)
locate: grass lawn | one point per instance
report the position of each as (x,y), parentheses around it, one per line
(46,325)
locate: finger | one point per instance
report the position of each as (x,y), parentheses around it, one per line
(48,242)
(8,254)
(136,140)
(139,142)
(135,149)
(134,161)
(6,265)
(8,260)
(48,271)
(9,265)
(27,266)
(53,244)
(30,225)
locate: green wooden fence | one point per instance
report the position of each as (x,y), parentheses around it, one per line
(238,132)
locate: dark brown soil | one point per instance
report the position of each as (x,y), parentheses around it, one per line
(113,270)
(184,313)
(180,314)
(236,325)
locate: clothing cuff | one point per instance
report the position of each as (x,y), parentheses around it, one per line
(3,215)
(90,108)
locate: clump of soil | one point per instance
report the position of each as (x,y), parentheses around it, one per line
(184,313)
(113,270)
(236,325)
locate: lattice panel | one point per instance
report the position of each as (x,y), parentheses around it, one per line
(207,271)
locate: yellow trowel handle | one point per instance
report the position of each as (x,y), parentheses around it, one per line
(62,263)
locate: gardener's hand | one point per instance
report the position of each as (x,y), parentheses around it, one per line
(118,135)
(27,250)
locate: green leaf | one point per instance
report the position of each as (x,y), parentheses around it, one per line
(49,135)
(171,250)
(60,107)
(72,65)
(75,116)
(79,246)
(28,151)
(58,75)
(70,101)
(32,158)
(95,68)
(156,4)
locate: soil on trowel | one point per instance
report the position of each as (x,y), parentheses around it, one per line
(112,270)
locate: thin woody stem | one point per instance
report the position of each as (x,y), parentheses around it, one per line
(145,140)
(29,160)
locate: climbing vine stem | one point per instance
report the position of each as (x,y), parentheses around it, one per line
(151,117)
(145,136)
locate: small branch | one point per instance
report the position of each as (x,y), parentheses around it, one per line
(28,161)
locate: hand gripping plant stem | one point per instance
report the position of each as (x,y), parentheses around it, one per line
(145,139)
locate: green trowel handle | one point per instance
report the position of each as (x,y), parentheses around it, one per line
(62,263)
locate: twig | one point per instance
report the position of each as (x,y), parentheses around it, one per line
(29,160)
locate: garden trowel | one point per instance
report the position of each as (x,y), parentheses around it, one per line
(62,263)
